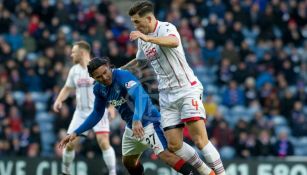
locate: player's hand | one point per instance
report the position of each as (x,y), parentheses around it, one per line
(67,139)
(137,34)
(57,106)
(138,130)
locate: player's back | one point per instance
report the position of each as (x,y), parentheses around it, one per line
(79,79)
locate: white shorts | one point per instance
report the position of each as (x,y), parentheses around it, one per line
(181,105)
(80,116)
(153,139)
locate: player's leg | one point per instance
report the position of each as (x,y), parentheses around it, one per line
(132,150)
(193,114)
(173,128)
(133,164)
(108,153)
(181,165)
(156,140)
(102,131)
(199,136)
(68,156)
(185,151)
(69,151)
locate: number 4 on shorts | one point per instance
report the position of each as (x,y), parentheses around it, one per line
(195,104)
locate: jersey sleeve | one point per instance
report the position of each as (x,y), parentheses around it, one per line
(168,29)
(97,113)
(136,91)
(70,80)
(140,53)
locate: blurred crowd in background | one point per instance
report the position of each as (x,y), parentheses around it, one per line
(250,55)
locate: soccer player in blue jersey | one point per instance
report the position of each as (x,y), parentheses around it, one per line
(122,90)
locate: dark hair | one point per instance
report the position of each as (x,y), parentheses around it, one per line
(141,8)
(95,63)
(83,45)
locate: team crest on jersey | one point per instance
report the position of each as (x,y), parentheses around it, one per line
(130,84)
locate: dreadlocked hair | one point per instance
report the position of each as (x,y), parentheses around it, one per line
(96,63)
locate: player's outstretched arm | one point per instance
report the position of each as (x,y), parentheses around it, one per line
(94,117)
(130,64)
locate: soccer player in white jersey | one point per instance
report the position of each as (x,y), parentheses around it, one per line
(180,92)
(79,79)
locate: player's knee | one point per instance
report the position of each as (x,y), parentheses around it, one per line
(199,141)
(103,141)
(104,144)
(174,146)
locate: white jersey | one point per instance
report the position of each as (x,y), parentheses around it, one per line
(169,64)
(79,79)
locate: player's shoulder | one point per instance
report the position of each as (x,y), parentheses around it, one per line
(124,76)
(75,68)
(97,86)
(166,27)
(166,24)
(121,73)
(99,89)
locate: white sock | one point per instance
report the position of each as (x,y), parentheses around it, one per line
(187,153)
(67,159)
(110,160)
(213,159)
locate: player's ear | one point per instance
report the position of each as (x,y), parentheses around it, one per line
(81,52)
(149,18)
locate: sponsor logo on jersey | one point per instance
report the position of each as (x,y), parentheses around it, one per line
(119,102)
(130,84)
(151,53)
(84,82)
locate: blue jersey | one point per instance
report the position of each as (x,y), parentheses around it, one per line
(127,95)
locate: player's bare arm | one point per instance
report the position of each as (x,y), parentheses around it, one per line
(130,64)
(135,63)
(65,91)
(165,41)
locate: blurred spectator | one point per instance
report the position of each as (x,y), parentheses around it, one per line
(15,121)
(28,111)
(250,92)
(263,145)
(241,73)
(222,134)
(298,120)
(210,106)
(286,106)
(245,145)
(283,146)
(229,52)
(260,122)
(233,95)
(14,38)
(225,73)
(210,54)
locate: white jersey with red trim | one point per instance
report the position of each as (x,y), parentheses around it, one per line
(79,79)
(169,64)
